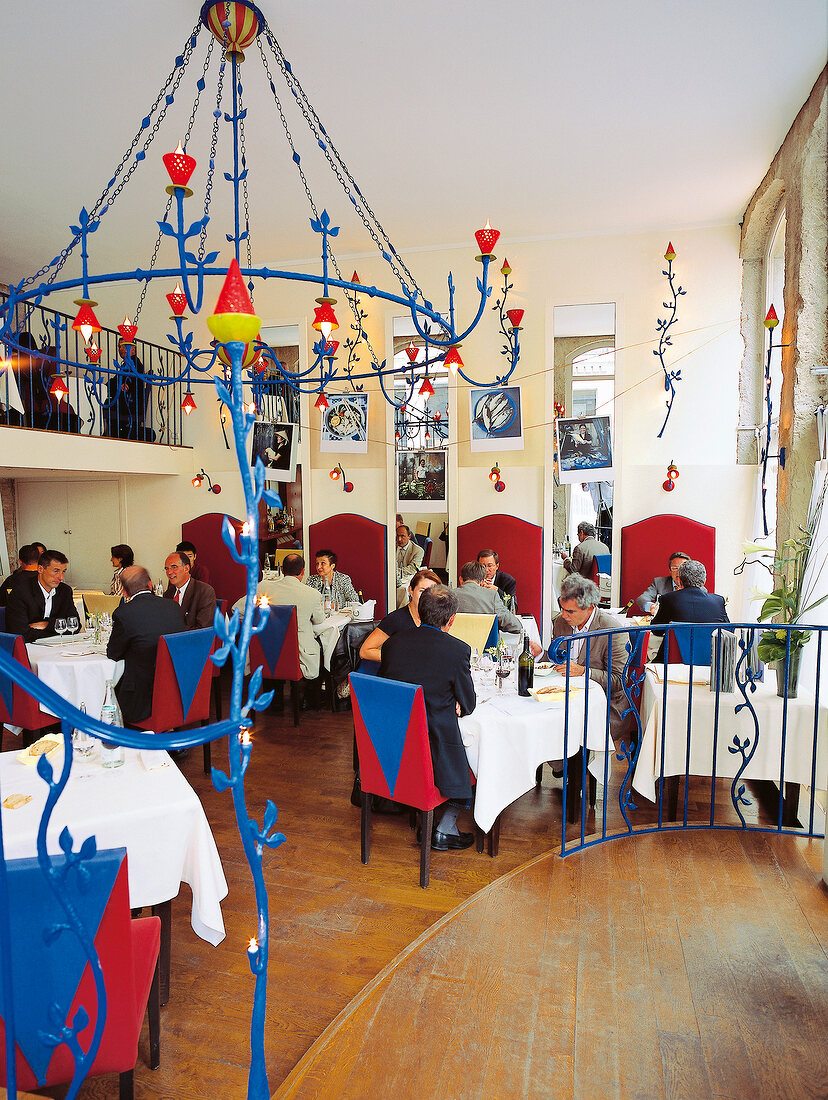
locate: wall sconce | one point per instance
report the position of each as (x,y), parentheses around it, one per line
(200,477)
(672,474)
(494,477)
(336,473)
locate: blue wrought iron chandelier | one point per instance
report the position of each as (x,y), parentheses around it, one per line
(226,30)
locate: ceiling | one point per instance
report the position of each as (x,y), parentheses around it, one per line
(548,118)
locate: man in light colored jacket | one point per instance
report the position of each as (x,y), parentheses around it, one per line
(290,590)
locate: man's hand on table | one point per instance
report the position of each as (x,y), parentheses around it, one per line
(574,670)
(535,649)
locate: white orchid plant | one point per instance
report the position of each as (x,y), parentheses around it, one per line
(787,602)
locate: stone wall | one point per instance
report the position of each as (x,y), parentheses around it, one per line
(798,181)
(7,496)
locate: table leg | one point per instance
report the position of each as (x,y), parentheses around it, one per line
(790,807)
(494,837)
(164,911)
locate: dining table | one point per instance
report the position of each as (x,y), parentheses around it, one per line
(664,719)
(76,668)
(508,736)
(146,806)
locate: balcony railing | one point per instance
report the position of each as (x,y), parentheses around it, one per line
(724,749)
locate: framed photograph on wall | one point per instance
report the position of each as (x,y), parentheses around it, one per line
(496,419)
(345,424)
(421,480)
(275,444)
(584,449)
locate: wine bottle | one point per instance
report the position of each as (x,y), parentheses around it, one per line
(526,668)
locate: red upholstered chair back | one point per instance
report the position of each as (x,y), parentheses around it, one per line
(128,951)
(647,545)
(276,648)
(392,741)
(228,578)
(17,707)
(181,689)
(519,545)
(359,545)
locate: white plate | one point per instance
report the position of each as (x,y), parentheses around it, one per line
(64,639)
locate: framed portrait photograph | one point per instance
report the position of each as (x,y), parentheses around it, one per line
(421,480)
(344,427)
(496,419)
(275,444)
(584,449)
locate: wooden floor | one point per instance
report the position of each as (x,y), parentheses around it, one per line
(681,973)
(665,966)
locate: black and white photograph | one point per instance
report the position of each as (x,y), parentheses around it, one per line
(275,444)
(584,446)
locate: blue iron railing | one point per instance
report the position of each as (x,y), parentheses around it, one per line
(729,737)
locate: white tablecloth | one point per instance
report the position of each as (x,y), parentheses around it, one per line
(155,815)
(70,670)
(507,736)
(766,761)
(328,634)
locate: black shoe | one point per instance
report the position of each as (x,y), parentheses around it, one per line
(447,842)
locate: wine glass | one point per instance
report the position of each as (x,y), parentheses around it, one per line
(73,624)
(60,626)
(486,665)
(504,666)
(474,659)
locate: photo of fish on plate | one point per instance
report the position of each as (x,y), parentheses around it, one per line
(496,421)
(345,424)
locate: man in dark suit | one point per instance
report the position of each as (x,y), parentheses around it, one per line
(27,559)
(39,599)
(136,627)
(584,553)
(440,664)
(691,604)
(648,600)
(580,614)
(505,583)
(196,598)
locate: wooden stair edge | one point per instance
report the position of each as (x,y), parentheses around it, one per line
(309,1058)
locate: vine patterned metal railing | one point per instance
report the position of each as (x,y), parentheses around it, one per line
(678,727)
(234,635)
(663,326)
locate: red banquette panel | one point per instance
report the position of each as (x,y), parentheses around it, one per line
(359,545)
(519,545)
(646,546)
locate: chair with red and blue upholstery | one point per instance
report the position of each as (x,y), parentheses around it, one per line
(50,979)
(276,649)
(17,707)
(394,754)
(181,689)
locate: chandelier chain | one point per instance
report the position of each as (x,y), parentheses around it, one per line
(200,85)
(173,79)
(339,167)
(211,169)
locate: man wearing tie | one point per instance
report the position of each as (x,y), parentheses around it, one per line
(196,599)
(409,560)
(39,599)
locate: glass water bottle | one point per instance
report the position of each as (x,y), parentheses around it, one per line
(112,755)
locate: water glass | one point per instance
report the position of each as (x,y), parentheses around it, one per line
(73,624)
(83,745)
(60,626)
